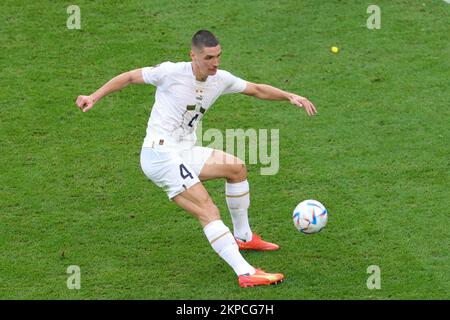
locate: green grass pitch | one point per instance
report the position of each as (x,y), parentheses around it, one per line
(377,154)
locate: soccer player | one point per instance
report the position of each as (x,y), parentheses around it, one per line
(169,157)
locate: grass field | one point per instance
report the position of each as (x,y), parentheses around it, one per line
(377,154)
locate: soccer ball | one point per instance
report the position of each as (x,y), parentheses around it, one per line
(310,216)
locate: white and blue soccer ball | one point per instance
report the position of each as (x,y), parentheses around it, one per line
(310,216)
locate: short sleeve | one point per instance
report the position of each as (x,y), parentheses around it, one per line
(154,75)
(233,84)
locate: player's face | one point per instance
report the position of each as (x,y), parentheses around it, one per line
(207,60)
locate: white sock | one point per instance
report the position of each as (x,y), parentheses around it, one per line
(225,245)
(238,201)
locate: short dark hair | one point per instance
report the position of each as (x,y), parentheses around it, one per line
(204,38)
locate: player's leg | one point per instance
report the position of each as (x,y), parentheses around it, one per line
(237,192)
(223,165)
(180,181)
(197,201)
(212,164)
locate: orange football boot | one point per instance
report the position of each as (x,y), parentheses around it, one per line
(257,244)
(259,278)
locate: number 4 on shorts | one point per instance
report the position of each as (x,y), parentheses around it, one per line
(185,172)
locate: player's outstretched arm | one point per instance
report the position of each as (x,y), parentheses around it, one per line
(266,92)
(115,84)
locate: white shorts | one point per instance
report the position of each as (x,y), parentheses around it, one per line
(174,170)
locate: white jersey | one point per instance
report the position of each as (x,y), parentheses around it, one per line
(181,101)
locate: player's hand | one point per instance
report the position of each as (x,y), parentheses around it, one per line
(303,103)
(85,103)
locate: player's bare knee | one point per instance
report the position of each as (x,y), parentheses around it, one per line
(238,172)
(207,204)
(212,208)
(210,212)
